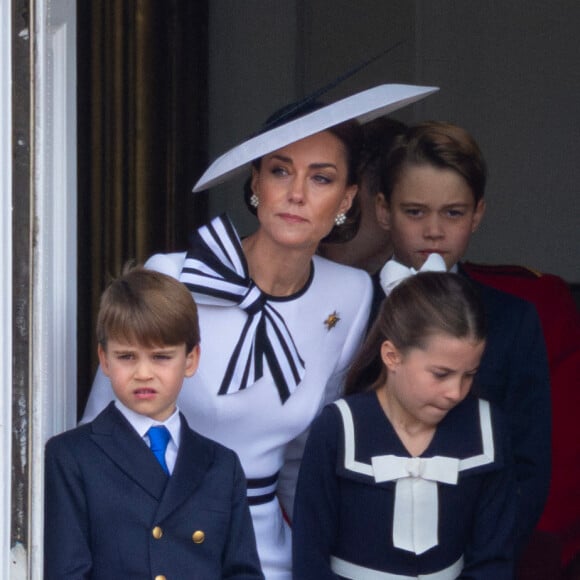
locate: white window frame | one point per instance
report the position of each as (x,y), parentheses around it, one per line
(54,302)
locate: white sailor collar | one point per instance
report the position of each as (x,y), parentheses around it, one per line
(467,434)
(463,444)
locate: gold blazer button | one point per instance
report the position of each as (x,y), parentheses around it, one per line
(198,537)
(157,533)
(160,577)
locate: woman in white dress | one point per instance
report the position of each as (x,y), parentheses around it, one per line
(279,325)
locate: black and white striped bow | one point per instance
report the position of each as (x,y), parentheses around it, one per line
(216,272)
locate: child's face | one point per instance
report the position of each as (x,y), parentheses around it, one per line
(423,385)
(431,210)
(148,380)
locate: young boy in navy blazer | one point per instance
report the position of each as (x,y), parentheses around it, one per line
(121,504)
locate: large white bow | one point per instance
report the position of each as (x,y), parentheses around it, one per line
(416,512)
(393,272)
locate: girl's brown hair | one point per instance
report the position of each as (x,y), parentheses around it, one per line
(422,305)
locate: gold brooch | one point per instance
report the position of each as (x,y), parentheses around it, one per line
(331,320)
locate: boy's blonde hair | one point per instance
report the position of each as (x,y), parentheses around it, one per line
(147,308)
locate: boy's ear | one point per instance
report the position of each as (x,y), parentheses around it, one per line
(382,211)
(478,215)
(103,361)
(192,361)
(390,355)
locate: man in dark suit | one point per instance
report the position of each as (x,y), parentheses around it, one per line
(136,493)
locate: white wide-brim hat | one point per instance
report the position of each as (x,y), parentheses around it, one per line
(364,106)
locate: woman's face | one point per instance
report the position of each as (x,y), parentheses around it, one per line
(432,210)
(301,188)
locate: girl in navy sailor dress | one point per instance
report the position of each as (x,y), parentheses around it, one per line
(409,476)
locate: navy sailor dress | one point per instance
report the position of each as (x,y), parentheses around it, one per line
(366,509)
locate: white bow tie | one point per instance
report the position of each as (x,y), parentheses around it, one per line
(416,511)
(393,272)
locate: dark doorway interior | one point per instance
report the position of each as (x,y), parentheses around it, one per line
(142,133)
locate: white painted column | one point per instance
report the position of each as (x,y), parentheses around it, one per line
(54,309)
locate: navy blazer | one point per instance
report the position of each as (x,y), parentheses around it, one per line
(111,512)
(514,374)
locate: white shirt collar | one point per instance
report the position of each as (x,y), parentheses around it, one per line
(141,423)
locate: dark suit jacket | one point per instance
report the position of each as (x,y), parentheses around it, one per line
(514,375)
(112,513)
(560,321)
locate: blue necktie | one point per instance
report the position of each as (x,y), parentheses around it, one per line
(159,438)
